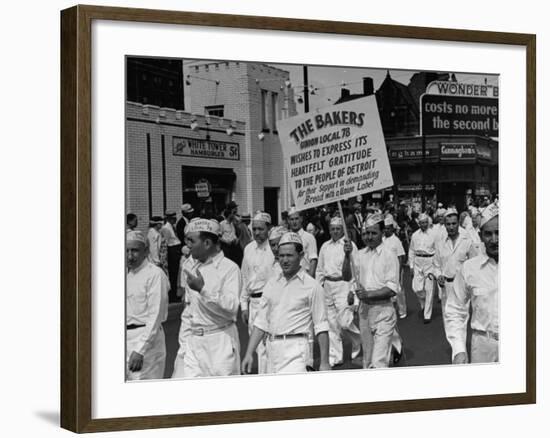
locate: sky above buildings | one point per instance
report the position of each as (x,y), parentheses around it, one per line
(328,81)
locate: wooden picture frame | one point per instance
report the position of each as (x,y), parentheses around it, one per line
(76,217)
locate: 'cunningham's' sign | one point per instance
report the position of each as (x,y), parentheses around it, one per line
(458,151)
(192,147)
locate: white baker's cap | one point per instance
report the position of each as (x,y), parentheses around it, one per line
(337,221)
(450,211)
(290,238)
(136,236)
(373,219)
(276,233)
(293,210)
(488,213)
(262,217)
(204,225)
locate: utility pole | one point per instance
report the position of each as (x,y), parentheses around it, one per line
(306,91)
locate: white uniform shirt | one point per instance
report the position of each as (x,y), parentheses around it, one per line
(155,241)
(146,301)
(310,248)
(394,245)
(377,268)
(331,259)
(440,231)
(186,264)
(477,282)
(169,235)
(422,242)
(449,257)
(292,306)
(217,304)
(256,269)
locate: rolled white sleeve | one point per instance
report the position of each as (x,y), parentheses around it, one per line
(400,249)
(224,295)
(261,317)
(319,310)
(391,272)
(320,271)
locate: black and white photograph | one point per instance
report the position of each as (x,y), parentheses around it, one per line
(288,218)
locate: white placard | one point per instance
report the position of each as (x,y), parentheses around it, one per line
(335,153)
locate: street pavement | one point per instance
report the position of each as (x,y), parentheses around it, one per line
(424,344)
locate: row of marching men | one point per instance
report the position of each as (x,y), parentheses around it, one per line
(286,308)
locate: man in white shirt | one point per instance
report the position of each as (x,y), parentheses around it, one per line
(421,255)
(392,242)
(228,237)
(212,290)
(339,312)
(174,252)
(473,230)
(186,265)
(439,224)
(187,211)
(450,254)
(377,271)
(187,262)
(292,303)
(146,310)
(476,285)
(256,270)
(309,260)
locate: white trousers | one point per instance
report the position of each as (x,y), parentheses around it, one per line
(340,319)
(443,295)
(484,349)
(183,336)
(289,355)
(422,285)
(153,360)
(253,308)
(377,324)
(400,299)
(212,354)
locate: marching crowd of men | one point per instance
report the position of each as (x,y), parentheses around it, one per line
(292,295)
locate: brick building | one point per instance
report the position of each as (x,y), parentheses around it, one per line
(226,140)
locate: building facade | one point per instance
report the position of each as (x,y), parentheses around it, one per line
(225,147)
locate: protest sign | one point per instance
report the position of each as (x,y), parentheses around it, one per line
(335,153)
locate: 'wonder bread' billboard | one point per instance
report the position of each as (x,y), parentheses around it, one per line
(335,153)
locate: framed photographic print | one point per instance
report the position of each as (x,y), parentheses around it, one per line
(307,206)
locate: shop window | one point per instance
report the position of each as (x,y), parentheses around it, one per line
(214,110)
(265,111)
(274,111)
